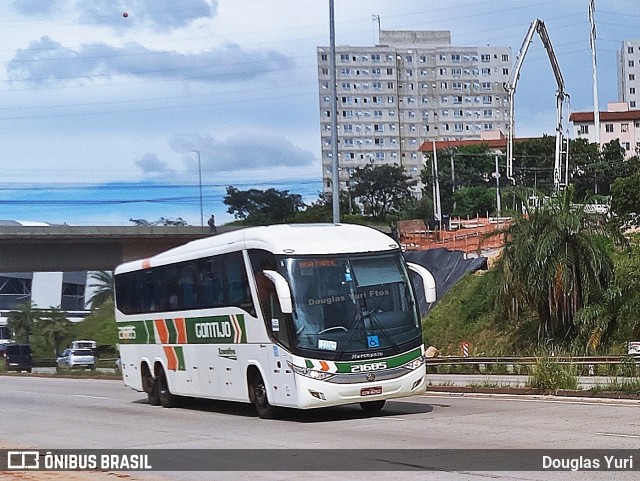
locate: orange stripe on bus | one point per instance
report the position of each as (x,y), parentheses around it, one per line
(172,359)
(181,327)
(163,333)
(324,366)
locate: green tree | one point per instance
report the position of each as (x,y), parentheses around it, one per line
(259,207)
(55,327)
(473,166)
(555,262)
(102,288)
(382,189)
(22,320)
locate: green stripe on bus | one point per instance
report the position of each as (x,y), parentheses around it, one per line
(151,333)
(171,329)
(180,355)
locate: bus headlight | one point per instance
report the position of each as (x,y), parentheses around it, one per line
(415,364)
(311,373)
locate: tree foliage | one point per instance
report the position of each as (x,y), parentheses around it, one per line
(555,262)
(22,320)
(260,207)
(102,286)
(382,189)
(55,327)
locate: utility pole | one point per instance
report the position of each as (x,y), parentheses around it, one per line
(335,174)
(592,43)
(498,206)
(200,186)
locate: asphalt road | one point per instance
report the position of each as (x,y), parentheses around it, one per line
(58,413)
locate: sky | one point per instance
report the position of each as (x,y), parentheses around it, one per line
(106,117)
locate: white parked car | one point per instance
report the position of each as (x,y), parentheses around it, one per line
(76,359)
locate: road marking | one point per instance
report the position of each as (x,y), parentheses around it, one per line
(616,435)
(90,397)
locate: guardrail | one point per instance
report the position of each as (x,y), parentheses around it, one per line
(588,360)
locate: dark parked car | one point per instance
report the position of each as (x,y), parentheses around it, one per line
(17,357)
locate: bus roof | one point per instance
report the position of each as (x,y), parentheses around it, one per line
(287,239)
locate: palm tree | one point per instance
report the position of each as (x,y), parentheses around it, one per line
(56,326)
(22,319)
(102,288)
(555,262)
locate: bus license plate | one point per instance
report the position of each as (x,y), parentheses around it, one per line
(371,391)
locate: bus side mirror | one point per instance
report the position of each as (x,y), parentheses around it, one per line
(282,290)
(428,281)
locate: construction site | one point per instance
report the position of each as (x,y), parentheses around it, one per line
(471,236)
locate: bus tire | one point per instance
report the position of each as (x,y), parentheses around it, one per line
(167,400)
(372,406)
(150,386)
(260,399)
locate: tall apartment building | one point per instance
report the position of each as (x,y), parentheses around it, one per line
(629,73)
(414,86)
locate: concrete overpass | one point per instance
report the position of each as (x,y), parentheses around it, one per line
(73,248)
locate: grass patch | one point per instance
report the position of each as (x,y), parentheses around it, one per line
(548,375)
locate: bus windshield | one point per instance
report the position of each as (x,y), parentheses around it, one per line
(352,305)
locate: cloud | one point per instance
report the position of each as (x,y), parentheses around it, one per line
(46,60)
(249,151)
(35,7)
(151,164)
(159,15)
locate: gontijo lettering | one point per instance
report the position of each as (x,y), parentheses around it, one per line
(213,329)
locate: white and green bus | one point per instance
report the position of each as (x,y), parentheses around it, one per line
(301,316)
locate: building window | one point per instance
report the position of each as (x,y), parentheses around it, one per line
(443,57)
(375,57)
(487,114)
(624,127)
(389,71)
(457,99)
(457,85)
(608,128)
(629,49)
(505,71)
(324,57)
(443,71)
(455,57)
(626,145)
(444,85)
(458,127)
(486,85)
(505,57)
(486,71)
(456,72)
(485,57)
(631,63)
(632,90)
(487,99)
(632,104)
(632,76)
(344,57)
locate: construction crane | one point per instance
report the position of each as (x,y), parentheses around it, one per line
(510,86)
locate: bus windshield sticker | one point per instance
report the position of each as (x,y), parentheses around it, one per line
(275,324)
(373,341)
(327,345)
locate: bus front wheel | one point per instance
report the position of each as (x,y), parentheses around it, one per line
(260,399)
(371,406)
(167,400)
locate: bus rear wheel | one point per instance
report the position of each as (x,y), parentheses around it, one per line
(150,386)
(371,406)
(260,399)
(167,400)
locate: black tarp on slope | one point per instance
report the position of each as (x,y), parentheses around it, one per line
(447,268)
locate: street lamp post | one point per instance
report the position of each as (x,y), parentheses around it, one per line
(200,186)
